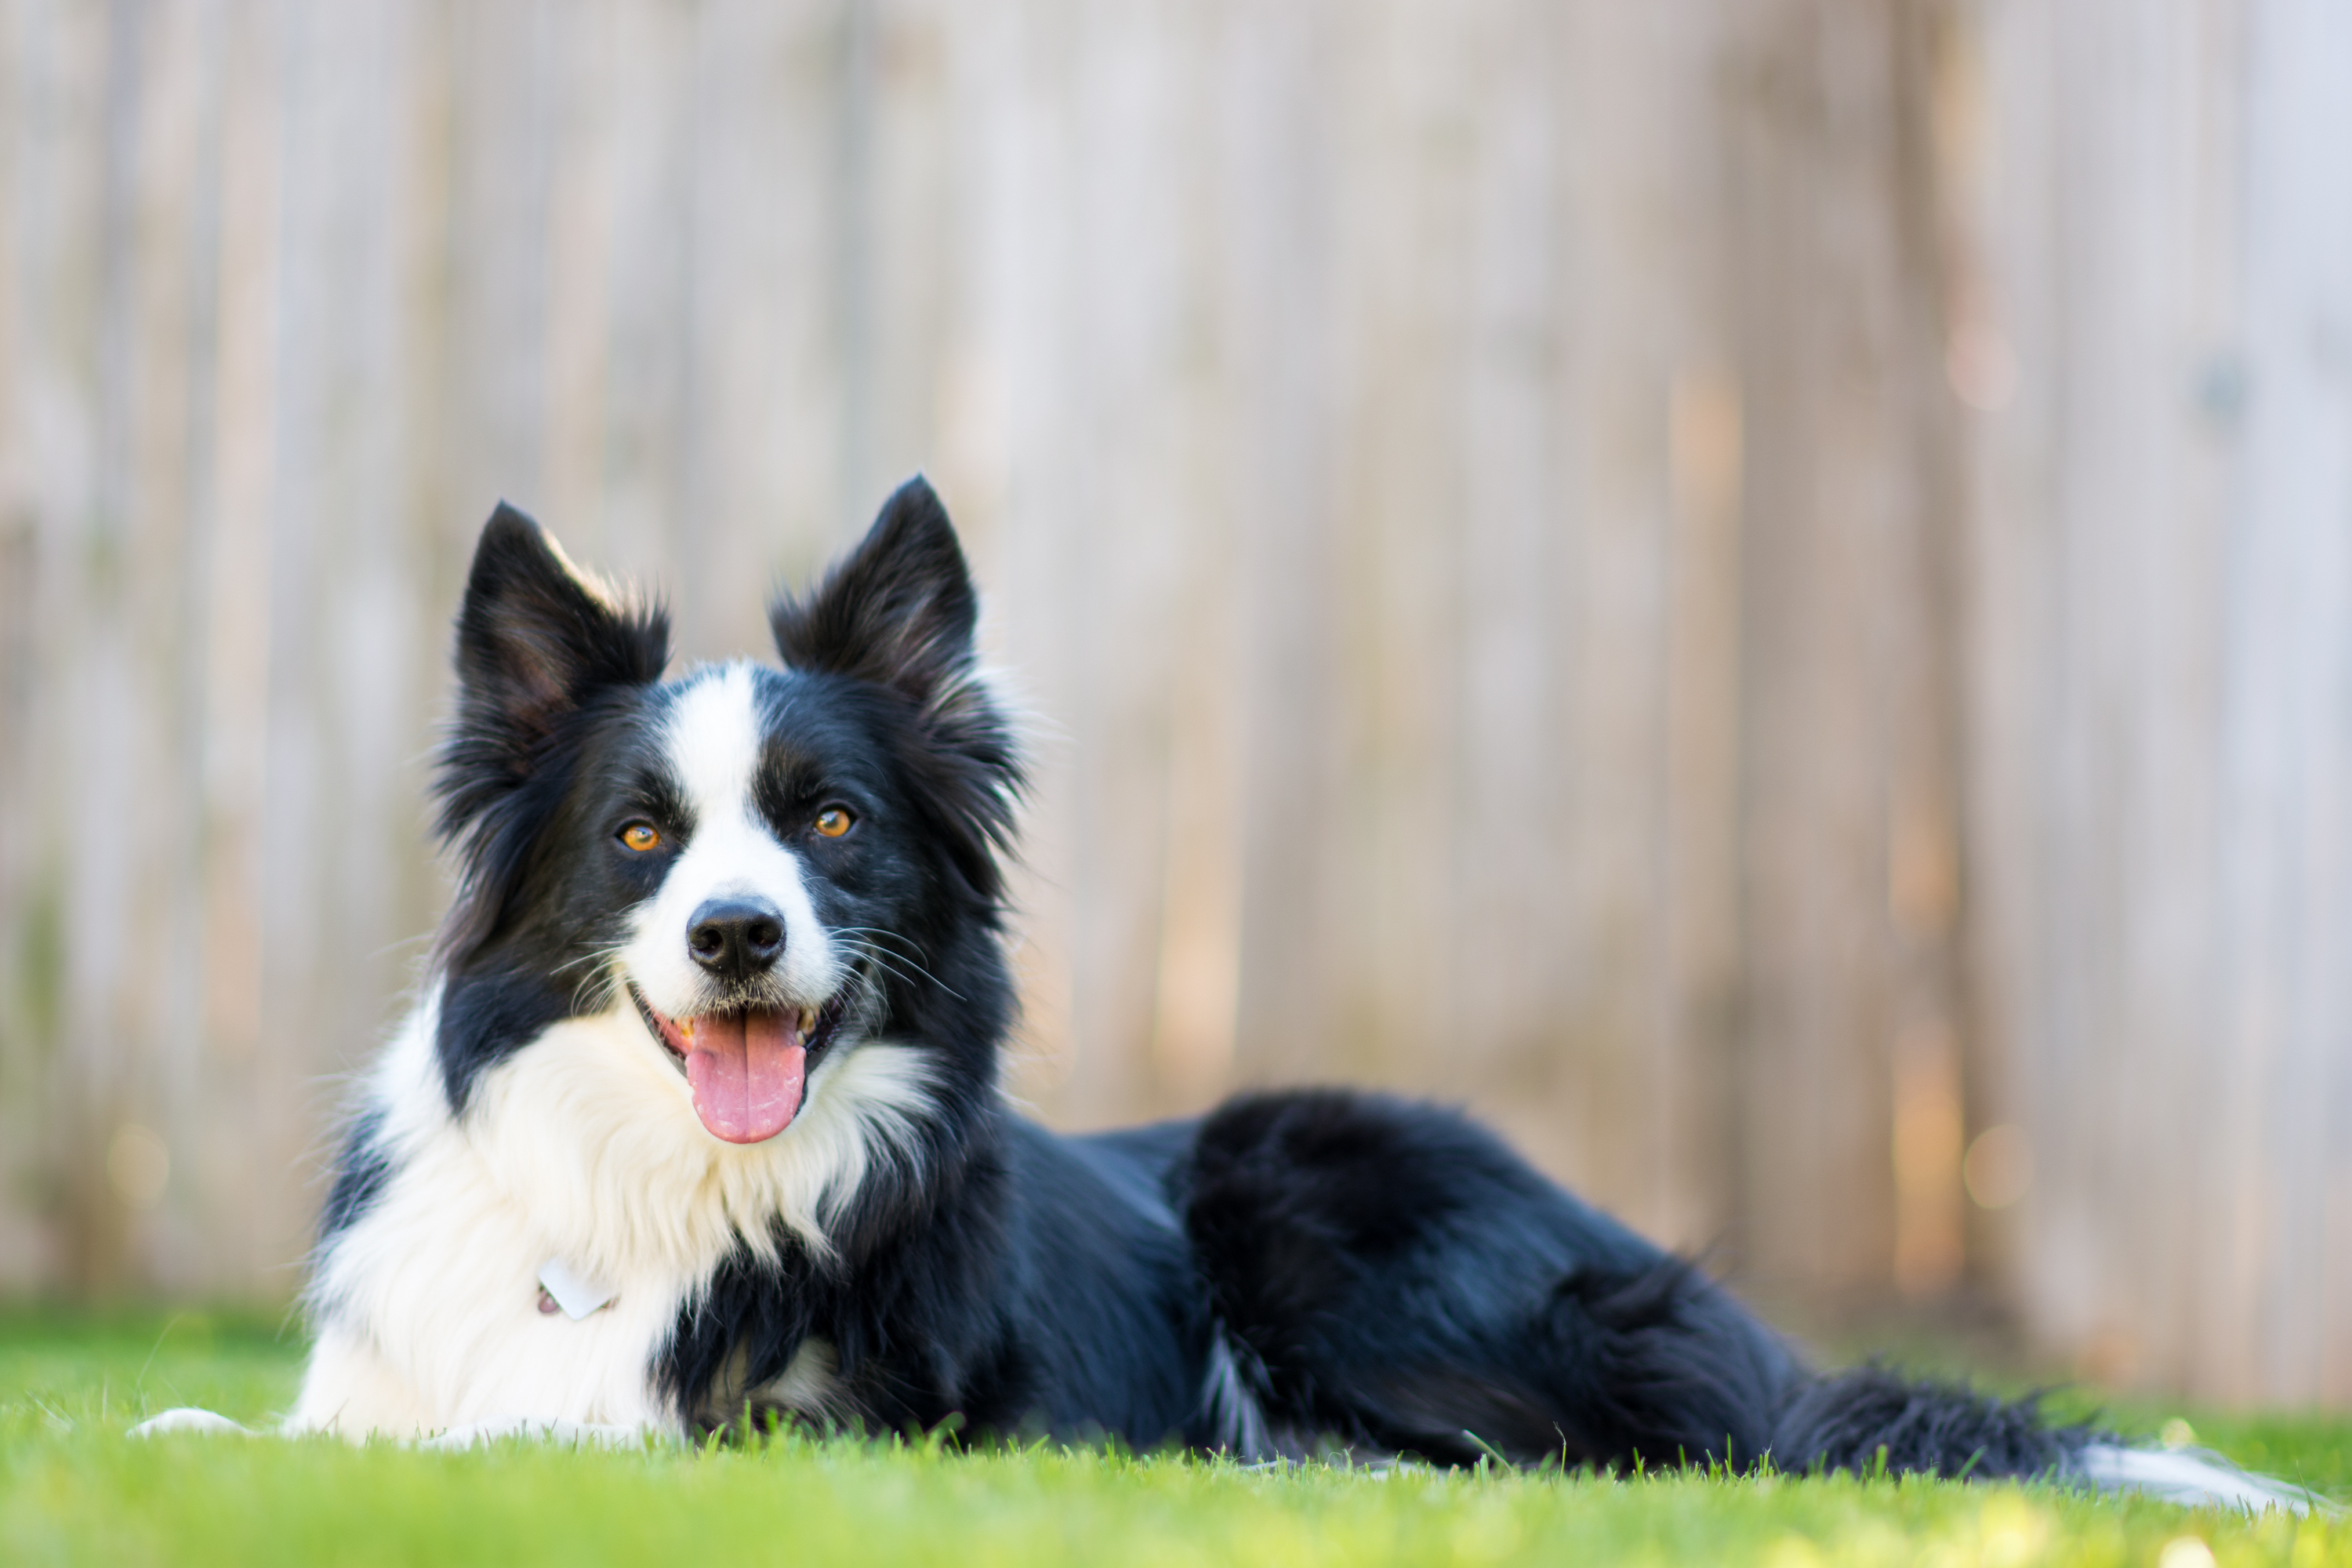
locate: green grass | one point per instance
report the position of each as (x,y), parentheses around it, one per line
(73,1489)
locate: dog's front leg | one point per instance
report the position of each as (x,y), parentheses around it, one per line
(350,1390)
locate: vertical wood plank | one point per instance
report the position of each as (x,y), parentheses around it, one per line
(54,194)
(236,638)
(113,714)
(1848,822)
(2286,795)
(2096,655)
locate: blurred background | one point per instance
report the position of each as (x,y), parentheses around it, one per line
(1759,591)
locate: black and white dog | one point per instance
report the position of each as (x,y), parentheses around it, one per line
(698,1117)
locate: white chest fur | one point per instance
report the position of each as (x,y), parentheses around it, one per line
(582,1146)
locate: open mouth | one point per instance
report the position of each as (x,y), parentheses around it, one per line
(748,1066)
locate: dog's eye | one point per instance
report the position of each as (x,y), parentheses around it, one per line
(641,836)
(832,822)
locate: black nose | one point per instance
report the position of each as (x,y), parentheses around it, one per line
(735,938)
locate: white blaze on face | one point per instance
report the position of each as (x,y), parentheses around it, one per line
(714,740)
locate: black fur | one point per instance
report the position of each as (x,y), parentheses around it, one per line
(1403,1281)
(1845,1422)
(899,616)
(359,1176)
(1294,1271)
(555,688)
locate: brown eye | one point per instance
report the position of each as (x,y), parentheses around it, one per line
(641,836)
(832,822)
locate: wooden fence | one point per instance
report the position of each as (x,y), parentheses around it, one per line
(1755,591)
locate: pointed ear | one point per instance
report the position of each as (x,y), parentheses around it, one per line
(899,611)
(537,637)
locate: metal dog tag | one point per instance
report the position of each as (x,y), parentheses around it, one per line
(576,1296)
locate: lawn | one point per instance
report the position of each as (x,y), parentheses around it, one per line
(73,1489)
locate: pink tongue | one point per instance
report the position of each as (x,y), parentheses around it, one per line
(745,1070)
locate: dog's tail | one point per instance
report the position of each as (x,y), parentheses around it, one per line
(1874,1421)
(1870,1420)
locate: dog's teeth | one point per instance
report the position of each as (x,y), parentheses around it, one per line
(808,1020)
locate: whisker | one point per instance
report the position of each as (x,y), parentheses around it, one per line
(601,983)
(875,953)
(915,948)
(593,955)
(869,976)
(882,961)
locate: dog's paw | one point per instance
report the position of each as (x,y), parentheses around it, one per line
(188,1419)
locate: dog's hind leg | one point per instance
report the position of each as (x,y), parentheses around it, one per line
(1386,1274)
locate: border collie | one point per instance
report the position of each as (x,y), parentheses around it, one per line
(698,1124)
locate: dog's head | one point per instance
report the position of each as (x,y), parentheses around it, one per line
(763,864)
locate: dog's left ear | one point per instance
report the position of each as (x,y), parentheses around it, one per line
(899,611)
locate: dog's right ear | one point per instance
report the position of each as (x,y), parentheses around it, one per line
(537,639)
(900,610)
